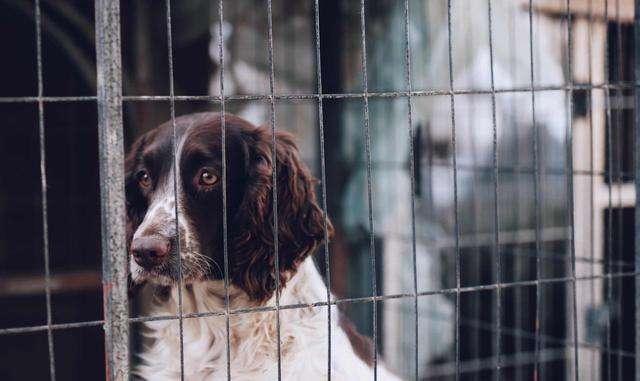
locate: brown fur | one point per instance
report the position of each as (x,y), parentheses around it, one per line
(300,219)
(362,345)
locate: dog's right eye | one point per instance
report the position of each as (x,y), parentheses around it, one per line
(205,179)
(144,179)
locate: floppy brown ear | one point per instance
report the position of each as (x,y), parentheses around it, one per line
(300,219)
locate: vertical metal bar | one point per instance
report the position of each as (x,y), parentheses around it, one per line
(112,200)
(367,141)
(496,226)
(412,173)
(636,145)
(476,206)
(455,186)
(43,191)
(609,253)
(225,216)
(591,170)
(274,180)
(620,259)
(174,153)
(323,175)
(609,174)
(519,306)
(569,174)
(536,191)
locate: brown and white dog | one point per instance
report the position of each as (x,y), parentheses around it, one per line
(156,256)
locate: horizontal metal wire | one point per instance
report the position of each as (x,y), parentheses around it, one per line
(623,178)
(309,96)
(55,327)
(335,302)
(489,363)
(525,170)
(520,333)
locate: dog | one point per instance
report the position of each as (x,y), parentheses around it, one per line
(189,250)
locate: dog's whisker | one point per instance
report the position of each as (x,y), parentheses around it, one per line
(199,263)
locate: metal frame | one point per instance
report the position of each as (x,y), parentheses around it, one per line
(636,25)
(115,260)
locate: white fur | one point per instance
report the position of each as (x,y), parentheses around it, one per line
(252,336)
(160,220)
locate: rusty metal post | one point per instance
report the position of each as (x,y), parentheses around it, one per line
(112,197)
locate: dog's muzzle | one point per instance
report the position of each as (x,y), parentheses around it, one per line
(150,251)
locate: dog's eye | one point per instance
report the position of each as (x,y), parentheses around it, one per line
(206,177)
(144,179)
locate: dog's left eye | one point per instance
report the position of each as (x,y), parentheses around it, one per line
(144,179)
(206,177)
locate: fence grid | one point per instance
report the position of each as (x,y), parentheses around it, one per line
(109,100)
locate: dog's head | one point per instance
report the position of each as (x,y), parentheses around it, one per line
(152,227)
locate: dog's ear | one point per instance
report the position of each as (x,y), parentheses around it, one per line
(300,220)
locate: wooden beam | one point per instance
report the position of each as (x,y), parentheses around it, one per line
(585,9)
(27,285)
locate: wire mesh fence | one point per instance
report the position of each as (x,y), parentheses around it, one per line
(521,190)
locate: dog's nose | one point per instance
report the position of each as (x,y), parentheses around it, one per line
(150,251)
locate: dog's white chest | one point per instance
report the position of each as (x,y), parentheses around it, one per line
(252,339)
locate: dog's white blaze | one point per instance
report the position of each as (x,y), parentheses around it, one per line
(160,218)
(161,211)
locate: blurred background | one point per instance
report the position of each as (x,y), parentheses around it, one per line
(523,225)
